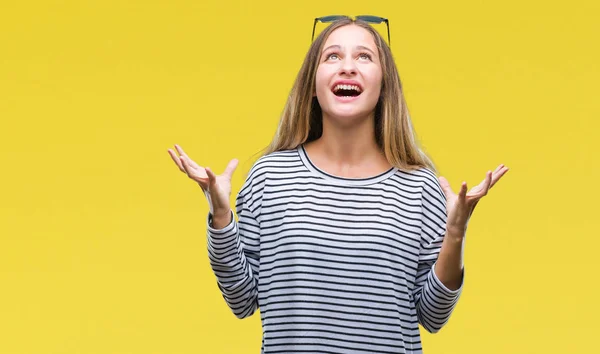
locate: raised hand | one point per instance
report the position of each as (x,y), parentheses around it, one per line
(217,188)
(460,207)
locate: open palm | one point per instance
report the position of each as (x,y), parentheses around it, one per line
(460,206)
(217,188)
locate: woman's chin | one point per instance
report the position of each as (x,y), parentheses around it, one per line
(348,114)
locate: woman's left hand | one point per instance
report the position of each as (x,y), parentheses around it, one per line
(460,207)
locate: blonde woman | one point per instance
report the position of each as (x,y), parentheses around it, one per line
(345,239)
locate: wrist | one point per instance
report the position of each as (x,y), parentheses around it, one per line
(455,232)
(221,219)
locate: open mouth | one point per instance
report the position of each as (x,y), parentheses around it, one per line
(347,90)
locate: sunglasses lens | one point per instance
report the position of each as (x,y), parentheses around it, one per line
(371,19)
(330,18)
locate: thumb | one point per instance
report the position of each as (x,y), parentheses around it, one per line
(211,177)
(230,169)
(445,187)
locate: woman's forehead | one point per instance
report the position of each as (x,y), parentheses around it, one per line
(351,35)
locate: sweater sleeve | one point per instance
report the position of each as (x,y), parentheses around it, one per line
(434,301)
(234,252)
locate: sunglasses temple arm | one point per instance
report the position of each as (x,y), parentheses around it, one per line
(313,32)
(388,28)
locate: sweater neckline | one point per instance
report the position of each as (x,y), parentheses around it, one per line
(343,180)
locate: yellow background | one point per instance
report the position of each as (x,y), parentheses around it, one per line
(102,240)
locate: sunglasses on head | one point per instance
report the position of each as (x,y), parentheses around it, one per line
(366,18)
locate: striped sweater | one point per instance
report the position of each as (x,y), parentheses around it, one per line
(335,265)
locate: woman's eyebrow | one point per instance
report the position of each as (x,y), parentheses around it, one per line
(359,47)
(336,46)
(365,48)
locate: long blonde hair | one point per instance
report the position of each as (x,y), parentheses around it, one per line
(302,121)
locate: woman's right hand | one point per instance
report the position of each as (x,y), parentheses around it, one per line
(216,188)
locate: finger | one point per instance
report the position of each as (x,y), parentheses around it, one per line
(498,174)
(180,150)
(475,191)
(230,169)
(462,194)
(488,181)
(486,184)
(191,163)
(498,168)
(191,170)
(184,163)
(445,187)
(176,160)
(483,187)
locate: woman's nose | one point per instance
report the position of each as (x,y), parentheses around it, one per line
(348,66)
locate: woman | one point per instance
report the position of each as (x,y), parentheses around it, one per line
(345,238)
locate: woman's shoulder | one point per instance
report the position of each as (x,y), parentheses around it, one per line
(423,178)
(420,174)
(277,161)
(279,156)
(431,189)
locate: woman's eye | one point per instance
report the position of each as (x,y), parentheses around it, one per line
(365,56)
(332,56)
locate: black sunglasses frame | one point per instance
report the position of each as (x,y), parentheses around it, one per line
(366,18)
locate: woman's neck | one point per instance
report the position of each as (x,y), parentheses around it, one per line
(350,151)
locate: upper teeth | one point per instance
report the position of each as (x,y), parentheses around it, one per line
(347,87)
